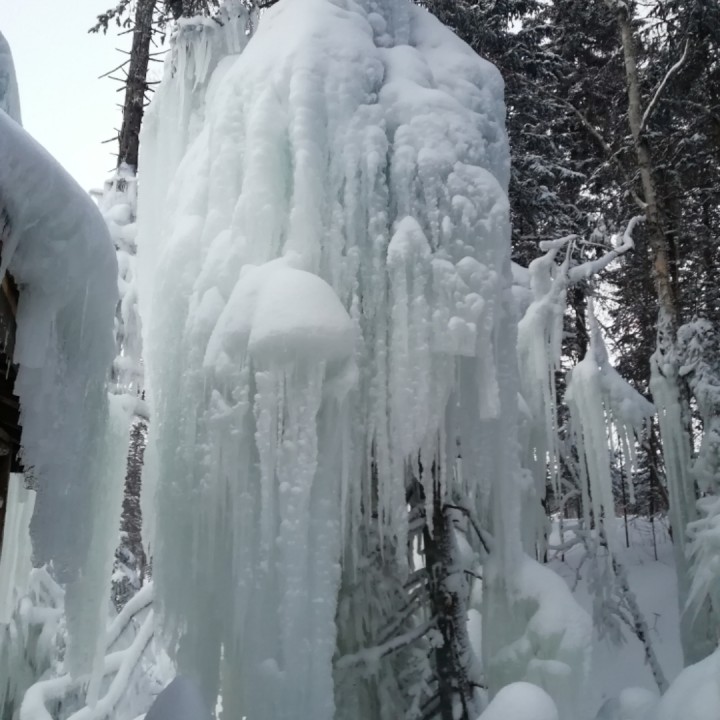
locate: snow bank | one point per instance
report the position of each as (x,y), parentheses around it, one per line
(324,284)
(551,637)
(632,704)
(60,255)
(521,701)
(695,693)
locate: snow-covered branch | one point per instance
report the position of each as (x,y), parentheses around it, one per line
(120,663)
(593,267)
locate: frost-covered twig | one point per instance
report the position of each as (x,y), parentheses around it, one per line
(639,626)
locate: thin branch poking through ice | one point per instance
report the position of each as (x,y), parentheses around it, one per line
(484,537)
(370,656)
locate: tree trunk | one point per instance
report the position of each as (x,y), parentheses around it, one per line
(670,393)
(134,105)
(656,230)
(449,606)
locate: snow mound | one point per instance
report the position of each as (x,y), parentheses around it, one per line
(694,694)
(281,314)
(552,638)
(521,701)
(633,703)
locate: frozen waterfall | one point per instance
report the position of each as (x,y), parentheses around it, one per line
(324,281)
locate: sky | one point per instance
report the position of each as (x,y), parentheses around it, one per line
(64,105)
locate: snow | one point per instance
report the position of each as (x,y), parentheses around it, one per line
(281,313)
(9,97)
(617,661)
(551,646)
(521,701)
(631,704)
(324,285)
(319,282)
(695,694)
(60,255)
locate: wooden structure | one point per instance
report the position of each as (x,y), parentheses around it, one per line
(9,405)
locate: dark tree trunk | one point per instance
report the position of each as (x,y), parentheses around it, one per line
(134,105)
(450,609)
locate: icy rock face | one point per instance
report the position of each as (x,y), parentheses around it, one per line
(325,294)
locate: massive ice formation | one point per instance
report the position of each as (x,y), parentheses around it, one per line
(325,290)
(9,97)
(57,249)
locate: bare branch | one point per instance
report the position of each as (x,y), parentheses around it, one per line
(485,538)
(369,656)
(658,93)
(119,67)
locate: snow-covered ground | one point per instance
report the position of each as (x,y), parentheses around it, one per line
(617,667)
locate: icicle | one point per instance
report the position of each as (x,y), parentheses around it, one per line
(601,404)
(15,561)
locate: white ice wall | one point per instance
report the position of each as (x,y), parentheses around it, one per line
(324,283)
